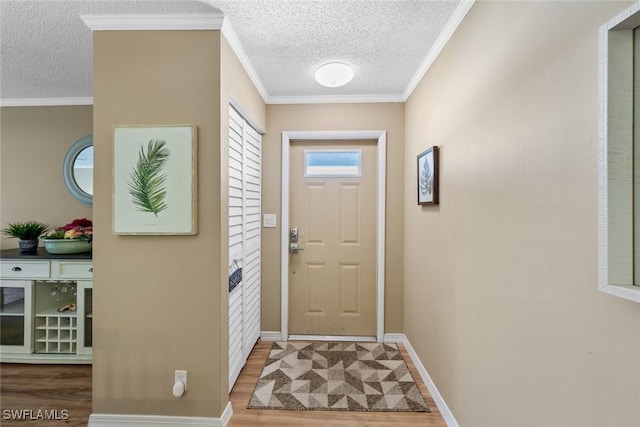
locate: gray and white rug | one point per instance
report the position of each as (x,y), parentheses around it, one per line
(336,376)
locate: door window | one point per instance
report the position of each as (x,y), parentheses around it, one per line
(332,163)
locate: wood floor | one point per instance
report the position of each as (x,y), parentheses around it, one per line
(49,388)
(58,387)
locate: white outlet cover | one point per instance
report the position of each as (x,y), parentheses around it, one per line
(269,220)
(181,376)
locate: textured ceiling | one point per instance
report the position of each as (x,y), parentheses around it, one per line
(46,51)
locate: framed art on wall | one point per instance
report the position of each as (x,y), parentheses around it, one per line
(154,180)
(428,176)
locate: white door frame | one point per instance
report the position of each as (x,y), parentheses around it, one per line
(381,137)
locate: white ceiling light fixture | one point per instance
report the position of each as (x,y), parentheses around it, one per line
(334,74)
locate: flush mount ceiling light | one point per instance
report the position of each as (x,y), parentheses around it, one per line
(334,74)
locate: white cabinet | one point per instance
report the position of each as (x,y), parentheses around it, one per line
(45,308)
(245,168)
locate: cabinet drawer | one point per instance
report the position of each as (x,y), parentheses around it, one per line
(75,270)
(24,270)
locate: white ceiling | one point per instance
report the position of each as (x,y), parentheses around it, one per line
(46,49)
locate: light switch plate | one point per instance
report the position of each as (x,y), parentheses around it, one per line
(269,220)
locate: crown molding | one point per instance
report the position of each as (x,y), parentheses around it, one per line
(44,102)
(335,99)
(195,21)
(236,46)
(441,41)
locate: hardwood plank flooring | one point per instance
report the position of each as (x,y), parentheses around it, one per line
(245,384)
(57,387)
(47,388)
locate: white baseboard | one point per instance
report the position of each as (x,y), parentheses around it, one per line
(271,336)
(394,338)
(433,390)
(225,418)
(123,420)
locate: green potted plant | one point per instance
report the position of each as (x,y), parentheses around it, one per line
(27,233)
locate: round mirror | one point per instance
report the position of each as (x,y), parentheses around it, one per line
(77,170)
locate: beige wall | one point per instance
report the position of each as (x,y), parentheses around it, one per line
(280,118)
(501,299)
(33,144)
(158,299)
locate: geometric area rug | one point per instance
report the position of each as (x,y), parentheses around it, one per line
(336,376)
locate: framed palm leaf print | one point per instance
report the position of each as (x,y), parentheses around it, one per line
(428,176)
(154,180)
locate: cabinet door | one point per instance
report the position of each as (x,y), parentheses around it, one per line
(16,312)
(85,317)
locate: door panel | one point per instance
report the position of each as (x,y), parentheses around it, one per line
(349,289)
(350,213)
(332,280)
(315,213)
(315,297)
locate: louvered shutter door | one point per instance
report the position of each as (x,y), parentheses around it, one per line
(252,199)
(245,169)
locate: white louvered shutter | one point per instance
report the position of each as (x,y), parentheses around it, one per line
(245,169)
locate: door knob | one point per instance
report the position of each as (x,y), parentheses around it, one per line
(293,235)
(293,248)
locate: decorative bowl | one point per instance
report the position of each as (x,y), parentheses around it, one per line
(67,246)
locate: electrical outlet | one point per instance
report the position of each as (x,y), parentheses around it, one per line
(181,376)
